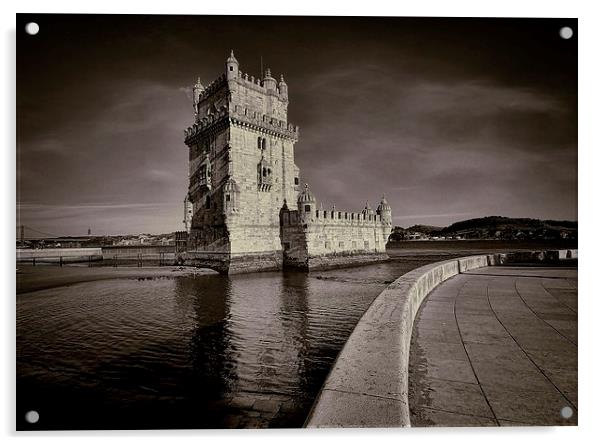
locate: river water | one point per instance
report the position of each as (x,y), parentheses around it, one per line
(204,352)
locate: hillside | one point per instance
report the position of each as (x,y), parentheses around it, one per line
(492,227)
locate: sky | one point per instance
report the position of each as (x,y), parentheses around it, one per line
(450,119)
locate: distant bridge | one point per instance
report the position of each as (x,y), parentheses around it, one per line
(27,233)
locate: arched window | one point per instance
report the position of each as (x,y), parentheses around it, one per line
(259,142)
(207,202)
(264,172)
(263,144)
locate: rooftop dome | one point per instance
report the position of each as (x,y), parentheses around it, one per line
(367,209)
(232,59)
(306,195)
(198,85)
(384,205)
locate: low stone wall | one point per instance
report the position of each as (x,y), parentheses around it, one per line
(110,252)
(368,384)
(29,254)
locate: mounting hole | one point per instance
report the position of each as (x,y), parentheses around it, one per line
(32,28)
(566,412)
(566,32)
(32,416)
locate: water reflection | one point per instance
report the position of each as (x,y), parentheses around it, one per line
(204,352)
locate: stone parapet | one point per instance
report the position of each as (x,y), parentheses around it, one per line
(28,254)
(368,383)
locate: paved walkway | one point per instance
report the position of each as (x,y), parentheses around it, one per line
(497,346)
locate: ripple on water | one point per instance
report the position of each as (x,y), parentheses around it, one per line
(208,351)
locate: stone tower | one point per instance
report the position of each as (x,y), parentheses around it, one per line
(241,170)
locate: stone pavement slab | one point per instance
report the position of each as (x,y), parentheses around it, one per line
(496,346)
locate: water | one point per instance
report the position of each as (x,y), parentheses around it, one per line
(204,352)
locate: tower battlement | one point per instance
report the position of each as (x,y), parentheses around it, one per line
(242,173)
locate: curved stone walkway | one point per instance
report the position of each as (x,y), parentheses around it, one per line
(496,346)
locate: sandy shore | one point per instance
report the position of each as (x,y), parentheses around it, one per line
(34,278)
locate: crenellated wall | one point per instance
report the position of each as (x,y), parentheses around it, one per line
(319,238)
(242,170)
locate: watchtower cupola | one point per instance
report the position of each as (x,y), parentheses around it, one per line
(231,196)
(283,89)
(306,203)
(367,209)
(269,82)
(231,67)
(197,91)
(384,210)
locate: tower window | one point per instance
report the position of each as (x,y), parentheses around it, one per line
(231,68)
(208,202)
(296,181)
(307,208)
(227,197)
(263,144)
(259,143)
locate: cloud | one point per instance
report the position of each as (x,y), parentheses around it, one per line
(434,144)
(440,115)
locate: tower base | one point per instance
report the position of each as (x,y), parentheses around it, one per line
(336,261)
(227,263)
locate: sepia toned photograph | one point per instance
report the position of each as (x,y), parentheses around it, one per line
(251,222)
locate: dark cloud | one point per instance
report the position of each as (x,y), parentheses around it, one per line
(450,118)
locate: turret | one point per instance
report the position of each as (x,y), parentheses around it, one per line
(231,67)
(283,89)
(306,204)
(269,83)
(197,91)
(384,210)
(188,209)
(367,209)
(231,192)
